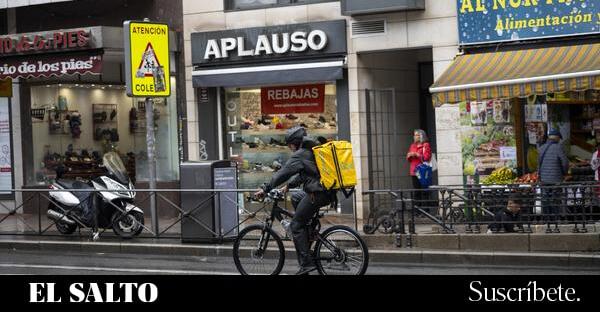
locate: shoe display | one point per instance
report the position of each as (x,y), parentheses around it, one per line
(276,165)
(277,142)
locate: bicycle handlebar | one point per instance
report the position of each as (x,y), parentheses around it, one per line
(273,195)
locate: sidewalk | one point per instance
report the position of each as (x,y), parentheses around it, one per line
(377,254)
(399,255)
(427,245)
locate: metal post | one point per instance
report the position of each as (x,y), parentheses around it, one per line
(150,140)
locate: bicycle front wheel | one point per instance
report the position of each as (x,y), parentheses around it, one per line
(258,250)
(341,251)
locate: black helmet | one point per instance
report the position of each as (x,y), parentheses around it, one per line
(295,135)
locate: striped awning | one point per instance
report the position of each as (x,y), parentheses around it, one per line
(519,73)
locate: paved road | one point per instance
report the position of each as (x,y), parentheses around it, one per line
(61,262)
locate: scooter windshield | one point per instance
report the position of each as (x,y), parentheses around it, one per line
(115,166)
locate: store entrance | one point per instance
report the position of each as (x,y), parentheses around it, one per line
(396,102)
(257,118)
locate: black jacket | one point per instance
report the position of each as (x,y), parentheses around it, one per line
(507,220)
(302,164)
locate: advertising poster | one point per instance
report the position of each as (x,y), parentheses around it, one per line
(5,149)
(293,99)
(488,138)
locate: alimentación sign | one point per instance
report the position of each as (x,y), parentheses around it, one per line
(485,21)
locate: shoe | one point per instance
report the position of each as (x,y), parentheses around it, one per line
(113,114)
(290,116)
(277,142)
(312,116)
(322,119)
(304,270)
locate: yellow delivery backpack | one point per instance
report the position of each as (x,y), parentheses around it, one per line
(336,166)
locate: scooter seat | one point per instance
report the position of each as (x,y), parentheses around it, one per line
(73,184)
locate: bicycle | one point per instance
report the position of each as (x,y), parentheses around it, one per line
(337,250)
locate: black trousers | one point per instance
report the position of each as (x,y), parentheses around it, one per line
(306,205)
(420,197)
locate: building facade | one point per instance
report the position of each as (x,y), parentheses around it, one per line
(524,70)
(372,90)
(63,72)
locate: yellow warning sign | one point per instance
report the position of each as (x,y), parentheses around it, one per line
(147,59)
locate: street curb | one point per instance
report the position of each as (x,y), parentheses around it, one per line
(405,255)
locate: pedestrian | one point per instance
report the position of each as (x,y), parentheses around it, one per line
(553,165)
(418,152)
(509,218)
(595,164)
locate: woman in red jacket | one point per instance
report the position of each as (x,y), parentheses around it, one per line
(419,151)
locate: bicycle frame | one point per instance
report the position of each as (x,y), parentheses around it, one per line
(276,214)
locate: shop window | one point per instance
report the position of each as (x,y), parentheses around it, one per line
(77,123)
(256,4)
(257,120)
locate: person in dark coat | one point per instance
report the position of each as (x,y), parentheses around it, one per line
(508,220)
(303,169)
(553,165)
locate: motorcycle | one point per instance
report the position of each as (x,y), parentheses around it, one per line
(106,202)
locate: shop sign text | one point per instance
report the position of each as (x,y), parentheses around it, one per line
(50,65)
(266,44)
(298,41)
(293,99)
(39,43)
(484,21)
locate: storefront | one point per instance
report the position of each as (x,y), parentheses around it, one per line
(71,96)
(253,84)
(509,97)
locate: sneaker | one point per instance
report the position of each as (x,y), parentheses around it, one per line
(304,270)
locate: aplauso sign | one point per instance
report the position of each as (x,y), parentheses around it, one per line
(147,59)
(484,21)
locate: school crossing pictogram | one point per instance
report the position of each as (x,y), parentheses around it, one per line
(149,63)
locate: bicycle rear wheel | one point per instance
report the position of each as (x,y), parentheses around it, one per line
(258,251)
(341,252)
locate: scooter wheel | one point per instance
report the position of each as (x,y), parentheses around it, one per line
(129,225)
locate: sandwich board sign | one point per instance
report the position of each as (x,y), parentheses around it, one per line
(147,72)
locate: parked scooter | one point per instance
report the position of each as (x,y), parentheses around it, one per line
(85,205)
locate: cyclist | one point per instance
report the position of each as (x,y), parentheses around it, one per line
(306,203)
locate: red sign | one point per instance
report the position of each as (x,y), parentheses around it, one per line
(293,99)
(44,42)
(51,65)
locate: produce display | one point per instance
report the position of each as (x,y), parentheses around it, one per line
(503,175)
(531,178)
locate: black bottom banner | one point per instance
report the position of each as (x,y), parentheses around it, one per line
(334,292)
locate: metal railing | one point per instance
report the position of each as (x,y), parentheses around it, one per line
(174,207)
(468,209)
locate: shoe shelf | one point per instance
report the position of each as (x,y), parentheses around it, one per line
(311,132)
(267,150)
